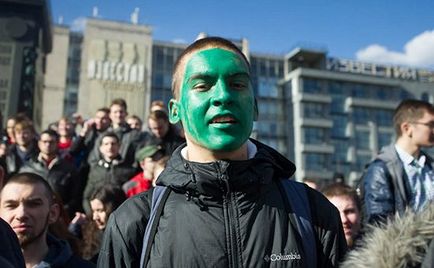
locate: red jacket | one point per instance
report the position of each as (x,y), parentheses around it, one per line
(137,185)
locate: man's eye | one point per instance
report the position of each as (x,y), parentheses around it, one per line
(238,85)
(201,87)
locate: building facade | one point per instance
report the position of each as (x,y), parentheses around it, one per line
(330,116)
(25,39)
(339,112)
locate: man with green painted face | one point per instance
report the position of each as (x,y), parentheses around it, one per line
(223,204)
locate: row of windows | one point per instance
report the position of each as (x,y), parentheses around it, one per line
(266,67)
(359,90)
(321,162)
(363,115)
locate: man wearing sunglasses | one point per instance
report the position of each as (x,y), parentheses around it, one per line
(402,175)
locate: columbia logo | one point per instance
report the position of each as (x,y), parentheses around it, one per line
(282,257)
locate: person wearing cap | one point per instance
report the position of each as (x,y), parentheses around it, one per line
(147,157)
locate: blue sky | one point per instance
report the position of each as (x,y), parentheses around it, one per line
(398,32)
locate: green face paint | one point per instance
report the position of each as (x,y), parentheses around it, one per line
(216,103)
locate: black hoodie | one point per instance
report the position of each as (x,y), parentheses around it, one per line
(60,255)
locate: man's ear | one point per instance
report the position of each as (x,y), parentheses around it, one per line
(174,111)
(54,213)
(255,111)
(406,129)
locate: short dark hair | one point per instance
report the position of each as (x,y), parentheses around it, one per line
(51,133)
(158,115)
(110,134)
(29,178)
(104,110)
(119,101)
(201,44)
(410,110)
(341,189)
(111,197)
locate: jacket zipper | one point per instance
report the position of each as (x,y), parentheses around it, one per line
(230,221)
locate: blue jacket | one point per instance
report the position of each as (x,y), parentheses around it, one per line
(386,188)
(60,255)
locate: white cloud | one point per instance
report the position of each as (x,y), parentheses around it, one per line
(419,51)
(78,24)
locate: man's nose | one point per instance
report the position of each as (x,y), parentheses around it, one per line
(21,212)
(221,94)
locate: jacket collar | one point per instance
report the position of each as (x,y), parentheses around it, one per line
(216,178)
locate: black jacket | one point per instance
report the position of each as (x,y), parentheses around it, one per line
(62,177)
(102,172)
(10,250)
(222,214)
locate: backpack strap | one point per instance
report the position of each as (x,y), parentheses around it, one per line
(299,202)
(159,197)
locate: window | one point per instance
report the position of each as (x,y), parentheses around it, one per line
(311,85)
(316,135)
(362,161)
(339,126)
(267,87)
(384,117)
(317,161)
(341,150)
(361,116)
(384,139)
(362,140)
(315,110)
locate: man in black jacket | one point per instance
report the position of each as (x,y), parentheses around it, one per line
(226,206)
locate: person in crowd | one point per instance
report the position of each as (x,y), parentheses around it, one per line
(158,105)
(403,241)
(312,183)
(346,200)
(65,129)
(25,146)
(109,169)
(27,205)
(10,125)
(128,137)
(159,166)
(103,202)
(10,251)
(60,173)
(223,203)
(162,132)
(141,182)
(402,175)
(135,122)
(89,133)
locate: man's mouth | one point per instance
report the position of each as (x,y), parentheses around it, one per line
(223,120)
(21,227)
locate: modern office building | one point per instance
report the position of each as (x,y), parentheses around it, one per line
(25,39)
(339,112)
(328,115)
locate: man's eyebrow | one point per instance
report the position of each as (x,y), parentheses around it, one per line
(199,76)
(239,74)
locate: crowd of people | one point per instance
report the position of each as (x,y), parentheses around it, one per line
(91,166)
(193,190)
